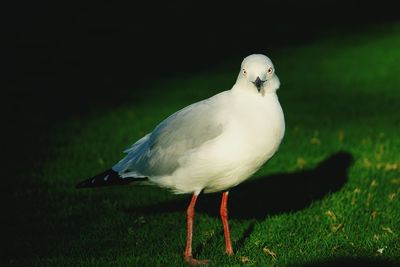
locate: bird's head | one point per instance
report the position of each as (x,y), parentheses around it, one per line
(258,73)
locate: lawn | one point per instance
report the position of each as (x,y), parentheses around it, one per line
(330,194)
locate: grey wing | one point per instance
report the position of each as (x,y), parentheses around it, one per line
(158,153)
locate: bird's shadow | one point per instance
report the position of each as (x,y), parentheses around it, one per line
(271,194)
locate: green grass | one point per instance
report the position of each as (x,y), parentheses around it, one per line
(340,98)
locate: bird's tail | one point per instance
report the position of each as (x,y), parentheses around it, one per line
(108,178)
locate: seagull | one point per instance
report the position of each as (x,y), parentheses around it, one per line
(209,146)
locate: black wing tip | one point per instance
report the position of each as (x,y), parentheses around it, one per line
(84,184)
(107,178)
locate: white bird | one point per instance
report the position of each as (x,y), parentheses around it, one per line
(209,146)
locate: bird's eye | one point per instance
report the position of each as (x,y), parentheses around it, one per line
(270,70)
(244,71)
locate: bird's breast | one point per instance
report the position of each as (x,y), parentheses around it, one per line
(253,138)
(261,126)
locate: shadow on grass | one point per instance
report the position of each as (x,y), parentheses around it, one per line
(352,263)
(272,194)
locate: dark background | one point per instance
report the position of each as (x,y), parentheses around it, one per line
(63,59)
(90,46)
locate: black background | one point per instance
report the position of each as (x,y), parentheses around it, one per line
(60,44)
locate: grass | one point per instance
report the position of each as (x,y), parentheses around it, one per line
(330,193)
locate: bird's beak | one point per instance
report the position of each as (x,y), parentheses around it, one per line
(258,83)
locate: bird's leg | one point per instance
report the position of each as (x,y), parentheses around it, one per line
(224,216)
(188,250)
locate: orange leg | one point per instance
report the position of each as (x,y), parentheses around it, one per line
(224,216)
(188,256)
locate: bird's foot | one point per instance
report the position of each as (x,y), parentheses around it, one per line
(229,252)
(193,261)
